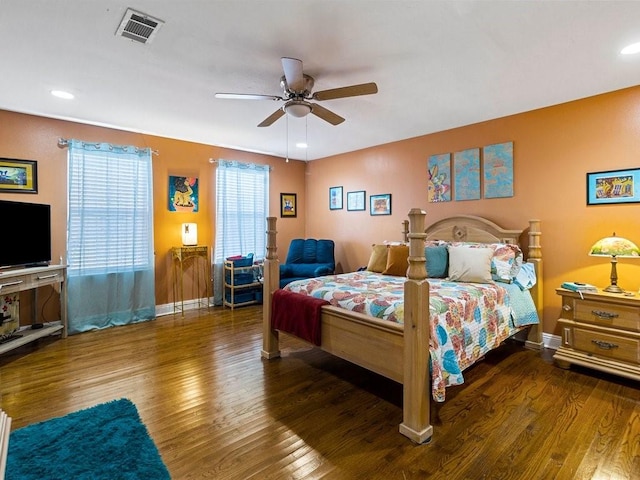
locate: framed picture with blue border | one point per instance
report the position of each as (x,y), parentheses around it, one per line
(380,204)
(335,198)
(613,186)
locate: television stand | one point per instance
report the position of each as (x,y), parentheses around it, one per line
(31,279)
(9,337)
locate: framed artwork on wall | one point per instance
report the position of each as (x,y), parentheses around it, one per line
(380,204)
(288,205)
(355,200)
(18,176)
(183,194)
(498,170)
(439,170)
(335,198)
(466,167)
(613,186)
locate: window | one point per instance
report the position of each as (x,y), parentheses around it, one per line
(110,203)
(111,270)
(242,206)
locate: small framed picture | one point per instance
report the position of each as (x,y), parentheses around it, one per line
(613,186)
(335,198)
(288,205)
(380,204)
(183,194)
(18,176)
(355,201)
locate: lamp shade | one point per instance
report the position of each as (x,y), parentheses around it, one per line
(189,233)
(615,247)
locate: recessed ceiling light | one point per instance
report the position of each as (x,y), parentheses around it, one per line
(631,49)
(301,145)
(62,94)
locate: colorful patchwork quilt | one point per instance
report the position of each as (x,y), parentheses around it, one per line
(467,319)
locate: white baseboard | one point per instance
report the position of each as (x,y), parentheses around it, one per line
(551,341)
(171,308)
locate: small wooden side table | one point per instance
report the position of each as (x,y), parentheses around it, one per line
(181,256)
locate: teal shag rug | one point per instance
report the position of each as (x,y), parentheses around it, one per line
(105,442)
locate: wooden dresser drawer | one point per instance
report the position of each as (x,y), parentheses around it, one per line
(45,278)
(15,283)
(608,345)
(607,314)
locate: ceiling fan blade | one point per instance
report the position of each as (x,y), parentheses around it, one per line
(326,115)
(293,73)
(342,92)
(272,118)
(247,96)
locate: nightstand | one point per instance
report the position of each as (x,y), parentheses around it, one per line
(600,330)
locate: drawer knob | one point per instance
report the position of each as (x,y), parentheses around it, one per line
(566,307)
(604,345)
(601,314)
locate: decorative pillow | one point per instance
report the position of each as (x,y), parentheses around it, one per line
(436,243)
(526,277)
(437,261)
(397,261)
(378,259)
(470,264)
(506,261)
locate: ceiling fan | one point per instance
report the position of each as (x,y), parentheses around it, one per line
(297,88)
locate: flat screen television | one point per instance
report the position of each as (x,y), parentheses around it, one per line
(26,234)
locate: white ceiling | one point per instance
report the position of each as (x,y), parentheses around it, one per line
(437,64)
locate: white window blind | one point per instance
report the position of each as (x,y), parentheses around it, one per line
(109,210)
(242,206)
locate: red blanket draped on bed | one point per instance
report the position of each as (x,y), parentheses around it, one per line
(297,314)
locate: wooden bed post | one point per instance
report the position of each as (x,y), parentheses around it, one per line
(416,379)
(270,340)
(534,256)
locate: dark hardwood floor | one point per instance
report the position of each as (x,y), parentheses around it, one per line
(216,410)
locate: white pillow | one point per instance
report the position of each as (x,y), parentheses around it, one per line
(470,264)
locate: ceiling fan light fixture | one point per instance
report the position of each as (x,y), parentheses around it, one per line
(298,109)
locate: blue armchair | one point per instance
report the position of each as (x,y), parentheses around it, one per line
(308,258)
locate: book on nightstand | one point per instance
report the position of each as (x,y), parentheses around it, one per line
(579,287)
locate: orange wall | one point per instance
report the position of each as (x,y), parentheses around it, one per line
(554,148)
(31,137)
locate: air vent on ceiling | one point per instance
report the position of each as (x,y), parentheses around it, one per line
(138,26)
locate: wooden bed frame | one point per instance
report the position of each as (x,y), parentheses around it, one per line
(401,352)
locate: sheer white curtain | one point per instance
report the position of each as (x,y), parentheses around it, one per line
(109,236)
(242,206)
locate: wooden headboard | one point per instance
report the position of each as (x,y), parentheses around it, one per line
(470,228)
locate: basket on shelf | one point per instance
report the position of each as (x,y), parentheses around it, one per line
(241,261)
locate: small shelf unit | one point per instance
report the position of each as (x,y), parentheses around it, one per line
(242,284)
(27,335)
(31,279)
